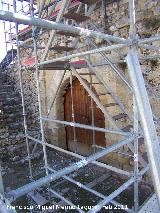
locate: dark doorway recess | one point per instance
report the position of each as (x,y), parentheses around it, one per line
(83,115)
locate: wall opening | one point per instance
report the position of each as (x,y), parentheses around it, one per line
(83,139)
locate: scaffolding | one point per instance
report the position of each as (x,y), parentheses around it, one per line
(142,120)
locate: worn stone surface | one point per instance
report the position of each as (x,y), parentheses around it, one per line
(11,117)
(147,24)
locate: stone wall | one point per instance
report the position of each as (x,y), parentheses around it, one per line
(30,96)
(12,136)
(118,21)
(147,24)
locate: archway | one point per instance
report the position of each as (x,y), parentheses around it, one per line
(82,114)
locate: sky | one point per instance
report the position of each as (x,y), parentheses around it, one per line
(2,35)
(4,6)
(2,42)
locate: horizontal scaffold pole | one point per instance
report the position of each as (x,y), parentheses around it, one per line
(82,186)
(84,126)
(93,51)
(14,194)
(112,196)
(38,22)
(73,154)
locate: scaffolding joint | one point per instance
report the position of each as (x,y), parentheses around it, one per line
(135,157)
(67,66)
(133,41)
(82,163)
(35,33)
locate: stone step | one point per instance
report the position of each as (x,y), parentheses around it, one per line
(87,73)
(89,2)
(12,101)
(4,136)
(60,48)
(120,116)
(6,86)
(6,89)
(3,71)
(16,136)
(95,83)
(11,120)
(2,127)
(8,95)
(3,131)
(66,33)
(76,16)
(10,115)
(14,132)
(3,75)
(19,146)
(11,54)
(3,80)
(103,93)
(11,109)
(110,105)
(127,128)
(15,126)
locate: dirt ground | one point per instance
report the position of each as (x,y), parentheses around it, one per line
(99,179)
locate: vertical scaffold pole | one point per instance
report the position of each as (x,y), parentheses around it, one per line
(1,181)
(136,197)
(34,35)
(132,18)
(22,94)
(92,115)
(73,114)
(146,118)
(4,28)
(132,36)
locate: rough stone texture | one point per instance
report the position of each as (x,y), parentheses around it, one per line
(12,138)
(147,24)
(11,117)
(30,95)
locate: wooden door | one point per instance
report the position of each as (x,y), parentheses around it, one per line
(83,115)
